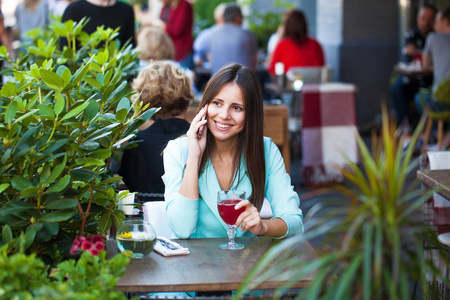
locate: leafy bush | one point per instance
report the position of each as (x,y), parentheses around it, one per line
(90,277)
(375,245)
(62,117)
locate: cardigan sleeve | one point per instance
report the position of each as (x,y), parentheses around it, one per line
(182,212)
(283,200)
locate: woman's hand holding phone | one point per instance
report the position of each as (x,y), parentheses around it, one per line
(197,133)
(200,131)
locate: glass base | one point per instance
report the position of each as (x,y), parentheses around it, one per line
(230,246)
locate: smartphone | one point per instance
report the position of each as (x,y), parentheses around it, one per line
(200,130)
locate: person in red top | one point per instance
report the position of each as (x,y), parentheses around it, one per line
(177,19)
(295,48)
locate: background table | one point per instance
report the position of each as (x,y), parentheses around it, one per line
(206,268)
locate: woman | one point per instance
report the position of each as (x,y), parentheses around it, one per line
(160,85)
(296,48)
(109,13)
(31,14)
(177,19)
(225,149)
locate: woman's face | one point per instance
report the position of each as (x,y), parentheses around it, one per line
(226,113)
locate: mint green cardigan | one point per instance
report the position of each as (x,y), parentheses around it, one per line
(199,218)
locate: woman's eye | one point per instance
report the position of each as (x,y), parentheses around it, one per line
(216,102)
(238,108)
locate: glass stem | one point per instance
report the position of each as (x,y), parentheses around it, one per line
(231,234)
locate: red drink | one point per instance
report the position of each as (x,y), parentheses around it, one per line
(227,212)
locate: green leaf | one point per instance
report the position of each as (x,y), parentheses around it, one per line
(11,111)
(52,79)
(83,174)
(89,145)
(7,236)
(30,234)
(59,103)
(81,72)
(56,145)
(93,82)
(101,154)
(57,170)
(51,228)
(20,183)
(62,204)
(59,185)
(8,89)
(75,111)
(91,111)
(123,104)
(58,216)
(121,115)
(3,187)
(31,112)
(46,110)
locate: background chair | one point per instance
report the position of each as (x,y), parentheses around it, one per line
(442,95)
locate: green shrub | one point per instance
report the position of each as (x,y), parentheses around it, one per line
(27,277)
(62,117)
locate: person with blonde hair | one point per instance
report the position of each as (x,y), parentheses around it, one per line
(155,44)
(160,84)
(31,14)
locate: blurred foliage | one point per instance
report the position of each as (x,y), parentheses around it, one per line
(63,114)
(263,25)
(90,277)
(373,239)
(204,13)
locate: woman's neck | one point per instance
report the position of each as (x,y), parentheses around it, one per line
(104,3)
(225,149)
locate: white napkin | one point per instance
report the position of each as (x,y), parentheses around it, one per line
(439,160)
(166,247)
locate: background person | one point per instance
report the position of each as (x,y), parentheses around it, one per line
(31,14)
(201,41)
(296,48)
(179,26)
(162,85)
(404,89)
(154,43)
(4,40)
(230,153)
(231,43)
(436,57)
(109,13)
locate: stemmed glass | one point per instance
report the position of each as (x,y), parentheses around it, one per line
(226,201)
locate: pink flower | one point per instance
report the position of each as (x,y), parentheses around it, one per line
(86,245)
(74,249)
(98,246)
(94,244)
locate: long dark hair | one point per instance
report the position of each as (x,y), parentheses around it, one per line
(251,143)
(295,26)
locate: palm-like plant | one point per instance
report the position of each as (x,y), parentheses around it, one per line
(375,244)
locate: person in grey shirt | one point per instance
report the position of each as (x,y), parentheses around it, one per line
(436,57)
(31,14)
(437,48)
(230,43)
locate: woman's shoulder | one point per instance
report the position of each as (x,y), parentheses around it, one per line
(180,144)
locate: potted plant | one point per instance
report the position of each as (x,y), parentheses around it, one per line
(375,243)
(64,115)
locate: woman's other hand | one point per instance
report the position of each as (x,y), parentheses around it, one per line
(250,220)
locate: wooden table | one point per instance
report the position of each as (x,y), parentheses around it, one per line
(276,119)
(436,179)
(206,268)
